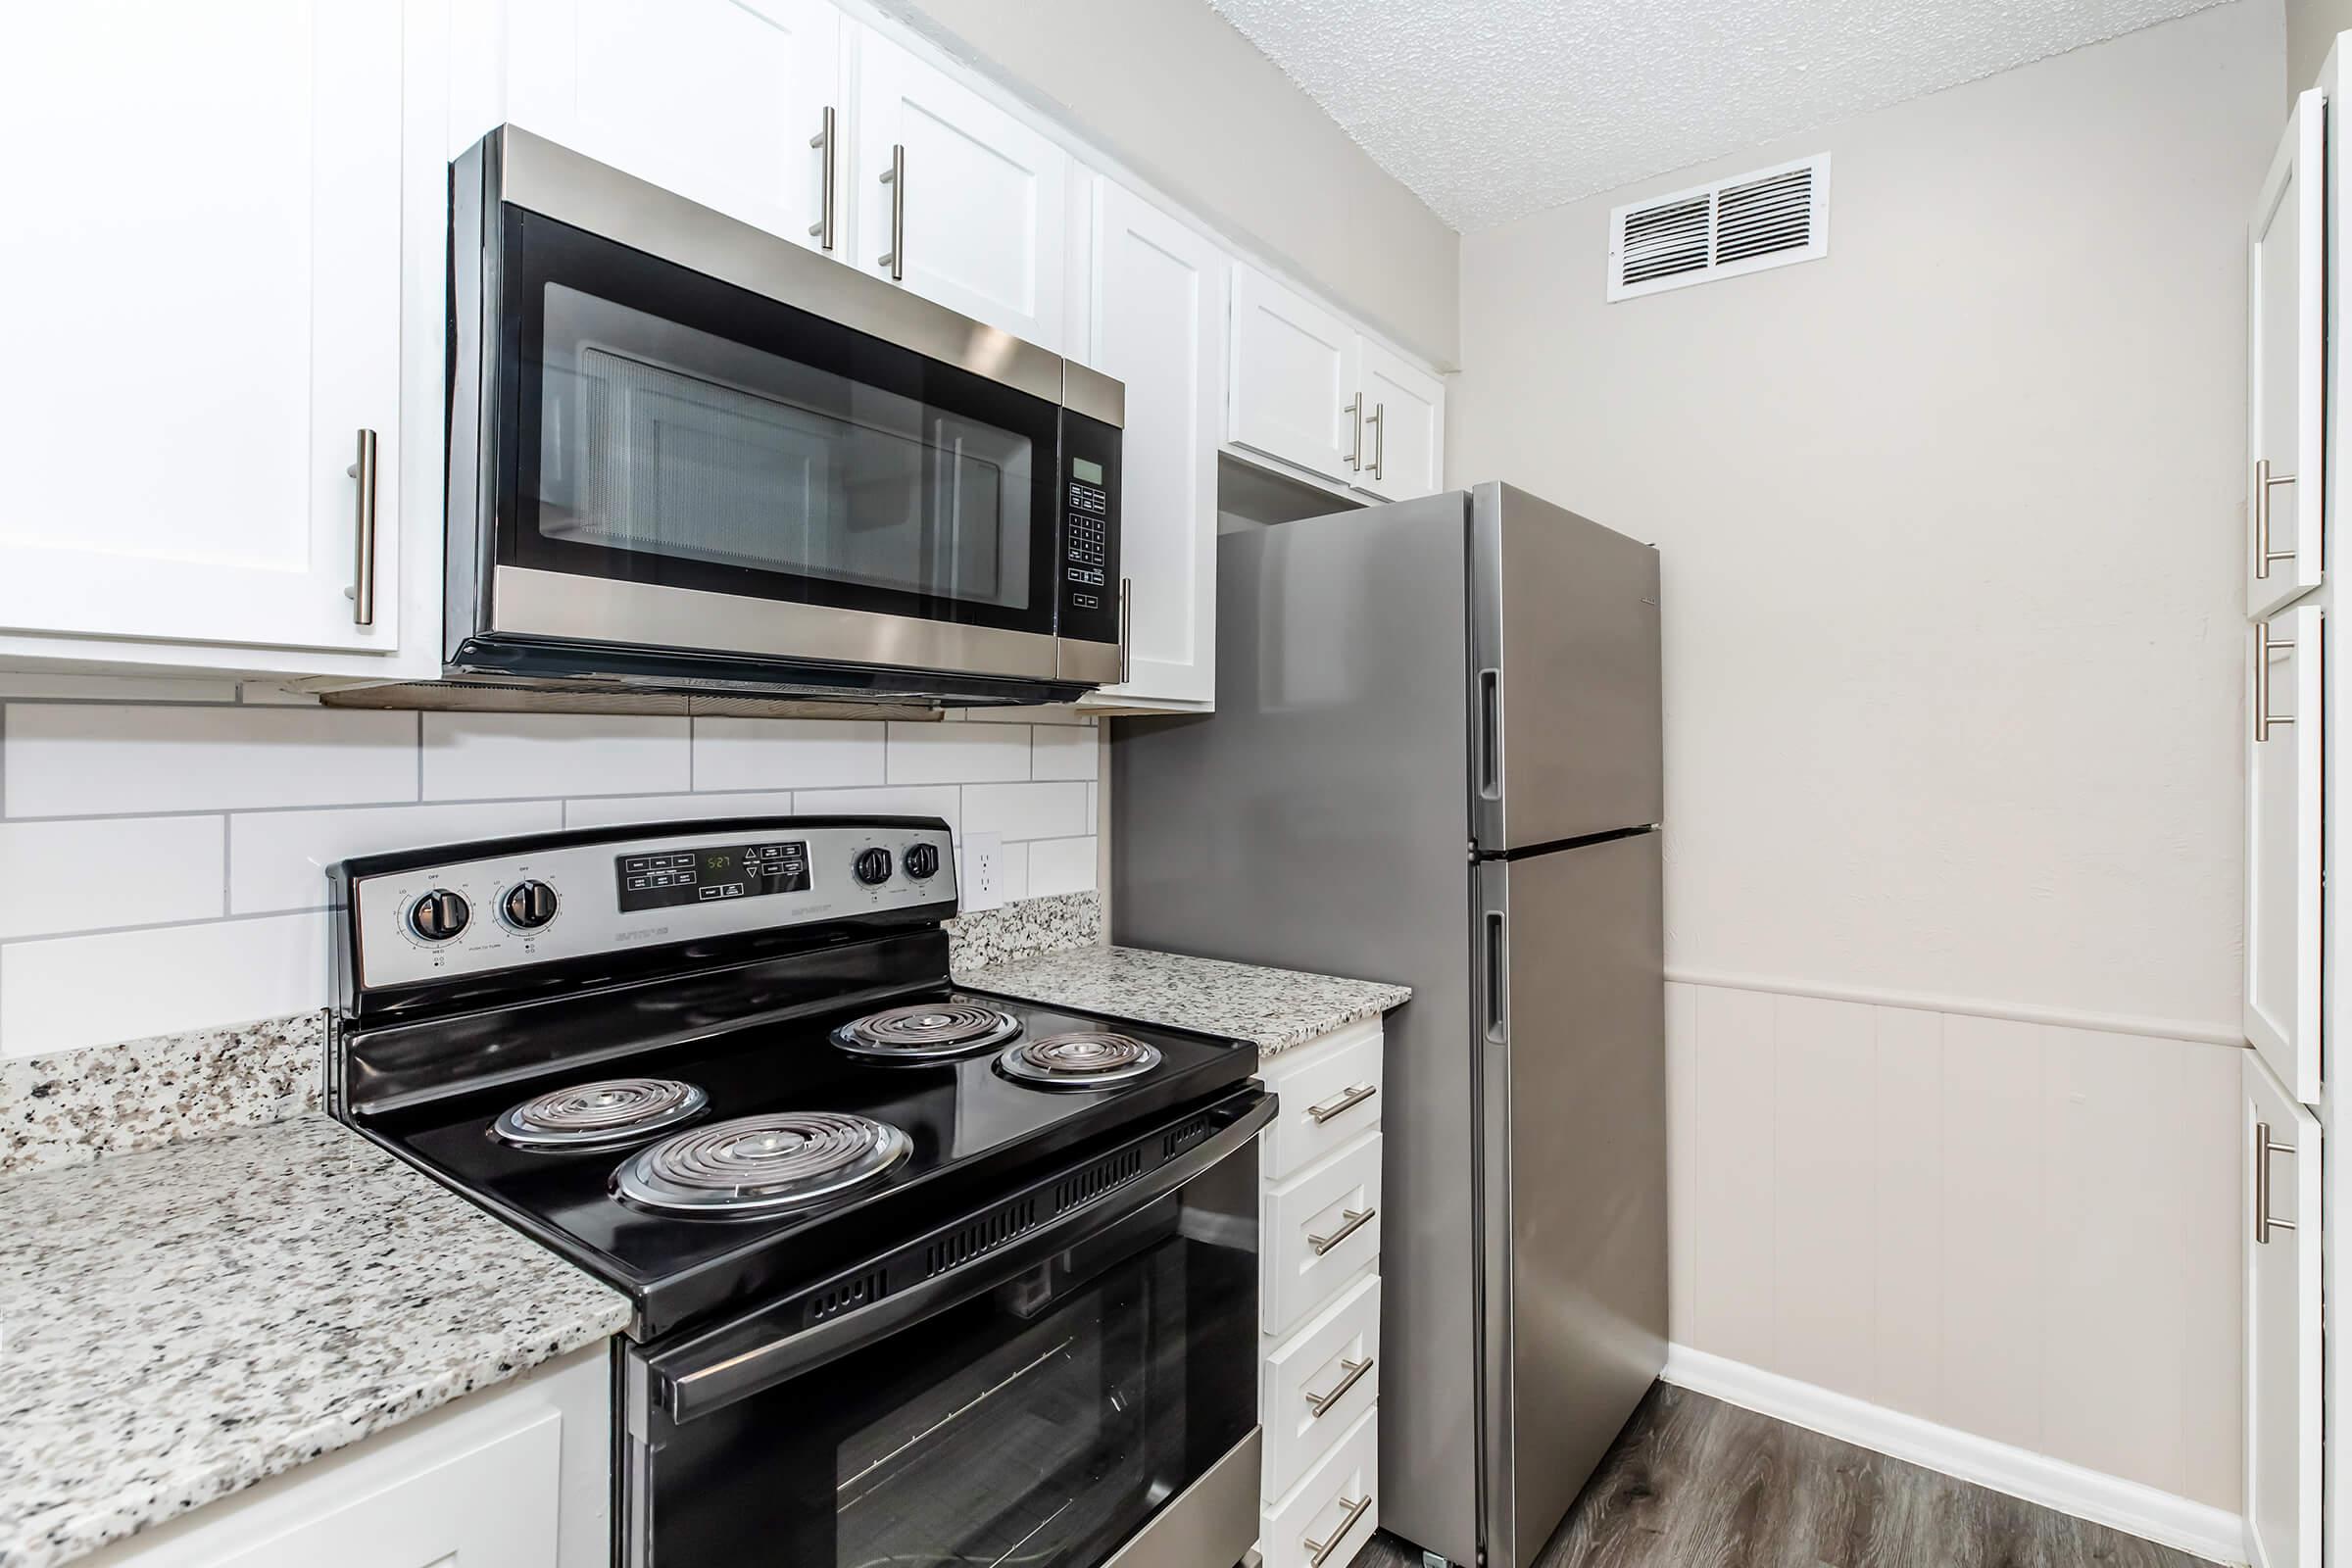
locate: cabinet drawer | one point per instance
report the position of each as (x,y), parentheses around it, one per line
(1316,1383)
(1327,1519)
(1330,1094)
(1320,1229)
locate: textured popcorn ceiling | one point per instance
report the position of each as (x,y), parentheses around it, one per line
(1489,109)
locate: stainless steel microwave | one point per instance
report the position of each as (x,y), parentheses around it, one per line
(687,455)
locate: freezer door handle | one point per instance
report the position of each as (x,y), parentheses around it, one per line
(1499,978)
(1489,734)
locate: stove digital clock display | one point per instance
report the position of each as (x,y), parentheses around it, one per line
(706,876)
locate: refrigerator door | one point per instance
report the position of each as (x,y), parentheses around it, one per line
(1567,733)
(1571,1019)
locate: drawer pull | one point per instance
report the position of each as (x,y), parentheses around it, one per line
(1321,1403)
(1357,1219)
(1323,1551)
(1348,1099)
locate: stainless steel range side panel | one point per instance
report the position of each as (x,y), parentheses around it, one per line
(1564,633)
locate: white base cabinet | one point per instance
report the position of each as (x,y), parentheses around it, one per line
(2283,1157)
(1319,1295)
(516,1477)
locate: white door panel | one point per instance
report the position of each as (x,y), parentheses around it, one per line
(2286,352)
(2283,1325)
(1294,382)
(2284,747)
(1404,424)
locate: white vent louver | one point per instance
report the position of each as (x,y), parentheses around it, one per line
(1770,218)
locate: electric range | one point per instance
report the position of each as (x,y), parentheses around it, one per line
(915,1270)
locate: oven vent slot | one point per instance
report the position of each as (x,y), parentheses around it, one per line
(983,1235)
(864,1291)
(1182,1138)
(1096,1178)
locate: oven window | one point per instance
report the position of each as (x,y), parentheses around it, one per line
(668,428)
(1044,1424)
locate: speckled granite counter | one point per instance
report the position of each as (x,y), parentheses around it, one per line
(179,1323)
(1277,1007)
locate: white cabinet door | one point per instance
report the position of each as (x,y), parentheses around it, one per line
(208,289)
(1293,392)
(2283,1325)
(957,199)
(1405,425)
(2283,847)
(716,100)
(2285,359)
(1158,326)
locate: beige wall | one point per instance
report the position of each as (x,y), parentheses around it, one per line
(1950,527)
(2311,30)
(1173,91)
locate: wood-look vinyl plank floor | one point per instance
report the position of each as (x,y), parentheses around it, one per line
(1694,1483)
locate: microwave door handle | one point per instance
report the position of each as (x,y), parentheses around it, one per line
(755,1355)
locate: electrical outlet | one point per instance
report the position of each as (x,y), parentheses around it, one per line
(983,871)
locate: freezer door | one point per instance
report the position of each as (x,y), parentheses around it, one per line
(1564,675)
(1571,1021)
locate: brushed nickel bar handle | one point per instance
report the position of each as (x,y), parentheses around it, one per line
(2263,648)
(1380,439)
(1354,410)
(2264,1221)
(1353,1372)
(1347,1100)
(895,176)
(1357,1219)
(2264,555)
(361,592)
(1322,1550)
(1126,631)
(822,230)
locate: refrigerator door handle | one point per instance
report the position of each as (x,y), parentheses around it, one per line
(1498,977)
(1489,734)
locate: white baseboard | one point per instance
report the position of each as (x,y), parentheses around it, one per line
(2126,1505)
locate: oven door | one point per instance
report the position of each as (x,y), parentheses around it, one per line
(1081,1395)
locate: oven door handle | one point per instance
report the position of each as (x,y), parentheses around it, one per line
(756,1354)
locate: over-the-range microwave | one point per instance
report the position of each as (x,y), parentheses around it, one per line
(688,456)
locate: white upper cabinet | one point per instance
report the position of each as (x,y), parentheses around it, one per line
(1404,424)
(208,279)
(721,102)
(2283,756)
(954,198)
(2286,366)
(1293,379)
(1158,314)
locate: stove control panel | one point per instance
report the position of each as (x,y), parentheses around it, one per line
(577,900)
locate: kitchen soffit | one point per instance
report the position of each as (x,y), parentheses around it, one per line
(1489,110)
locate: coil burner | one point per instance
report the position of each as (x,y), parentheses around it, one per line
(616,1110)
(1088,1060)
(762,1165)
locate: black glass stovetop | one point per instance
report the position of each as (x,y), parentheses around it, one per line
(973,1131)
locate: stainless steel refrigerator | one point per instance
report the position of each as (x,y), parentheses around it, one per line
(1435,759)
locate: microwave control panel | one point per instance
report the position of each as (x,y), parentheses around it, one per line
(1089,529)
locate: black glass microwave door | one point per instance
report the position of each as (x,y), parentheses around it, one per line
(674,431)
(1041,1425)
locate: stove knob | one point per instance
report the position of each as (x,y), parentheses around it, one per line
(439,916)
(922,861)
(872,866)
(528,906)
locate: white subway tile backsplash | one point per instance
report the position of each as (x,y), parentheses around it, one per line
(603,810)
(1026,810)
(82,875)
(962,753)
(1061,865)
(892,800)
(279,859)
(490,756)
(1066,753)
(88,759)
(116,688)
(70,992)
(1057,714)
(778,754)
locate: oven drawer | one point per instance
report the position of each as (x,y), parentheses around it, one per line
(1320,1229)
(1318,1382)
(1330,1093)
(1325,1521)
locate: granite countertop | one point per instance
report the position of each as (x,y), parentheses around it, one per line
(181,1323)
(1276,1008)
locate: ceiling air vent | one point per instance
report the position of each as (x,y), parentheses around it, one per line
(1743,225)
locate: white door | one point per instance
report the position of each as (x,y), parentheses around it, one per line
(1295,390)
(2283,847)
(957,199)
(2283,1325)
(1405,425)
(1159,325)
(2285,359)
(203,258)
(722,102)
